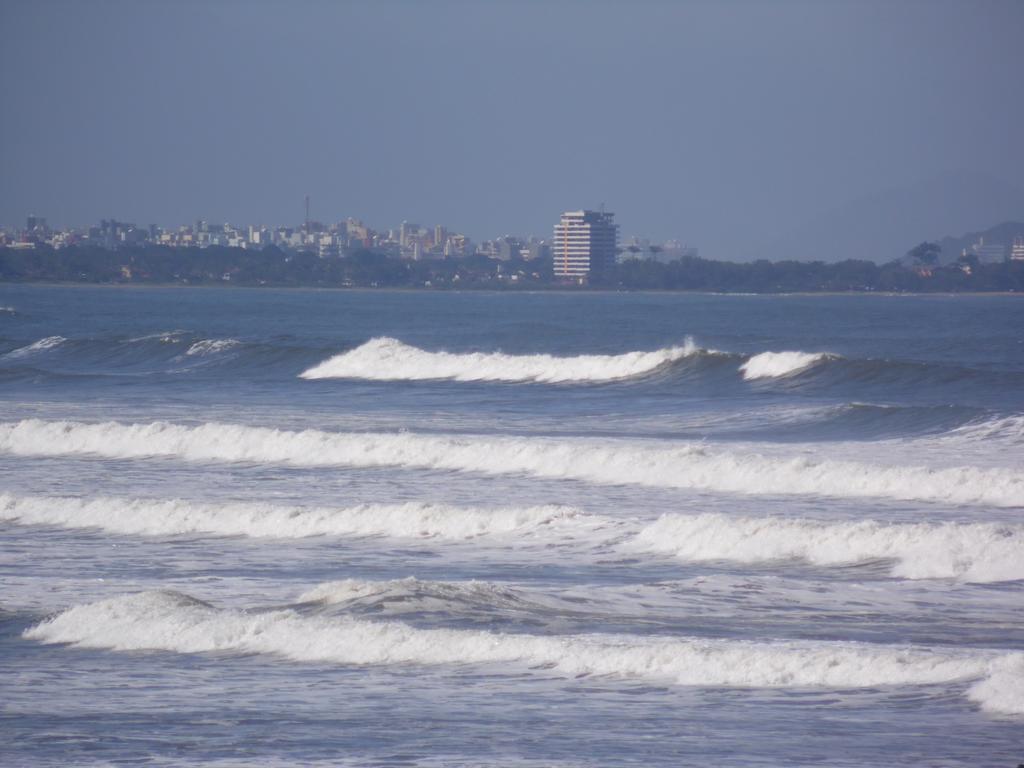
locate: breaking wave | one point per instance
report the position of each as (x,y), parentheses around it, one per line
(167,518)
(212,346)
(680,465)
(1009,429)
(169,621)
(683,366)
(37,346)
(973,552)
(774,365)
(386,359)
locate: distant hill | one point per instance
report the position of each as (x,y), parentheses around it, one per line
(883,226)
(1003,233)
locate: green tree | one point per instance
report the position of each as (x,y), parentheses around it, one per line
(926,254)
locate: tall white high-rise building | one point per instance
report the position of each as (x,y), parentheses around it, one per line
(585,242)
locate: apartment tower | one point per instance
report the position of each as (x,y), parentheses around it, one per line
(585,243)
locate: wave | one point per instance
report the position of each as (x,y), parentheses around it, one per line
(774,365)
(918,377)
(8,311)
(211,346)
(972,552)
(686,367)
(859,421)
(835,373)
(387,359)
(351,590)
(685,465)
(162,352)
(173,517)
(103,355)
(1009,429)
(37,346)
(460,599)
(170,621)
(164,337)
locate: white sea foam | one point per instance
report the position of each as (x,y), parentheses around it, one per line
(974,552)
(174,622)
(1007,429)
(212,346)
(170,517)
(390,359)
(1002,692)
(775,365)
(37,346)
(679,465)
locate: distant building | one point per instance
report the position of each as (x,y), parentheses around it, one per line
(258,235)
(406,233)
(328,245)
(987,253)
(585,242)
(535,249)
(458,245)
(1017,251)
(507,248)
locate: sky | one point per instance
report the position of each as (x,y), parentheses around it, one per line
(747,129)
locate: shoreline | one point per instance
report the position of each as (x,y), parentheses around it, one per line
(506,291)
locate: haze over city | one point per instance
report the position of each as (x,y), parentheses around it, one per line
(751,130)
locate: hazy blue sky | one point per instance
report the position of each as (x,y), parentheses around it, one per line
(729,125)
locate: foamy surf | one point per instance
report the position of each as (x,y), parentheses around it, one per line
(387,359)
(681,465)
(1006,429)
(776,365)
(972,552)
(149,517)
(969,552)
(168,621)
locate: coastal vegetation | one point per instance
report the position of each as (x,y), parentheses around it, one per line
(151,264)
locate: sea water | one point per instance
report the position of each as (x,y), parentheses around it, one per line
(296,527)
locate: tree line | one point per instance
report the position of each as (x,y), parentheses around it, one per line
(368,269)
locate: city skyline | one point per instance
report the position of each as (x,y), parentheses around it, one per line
(748,128)
(582,241)
(407,241)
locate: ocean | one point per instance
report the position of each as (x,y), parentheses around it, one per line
(370,528)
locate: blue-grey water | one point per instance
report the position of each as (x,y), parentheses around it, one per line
(262,527)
